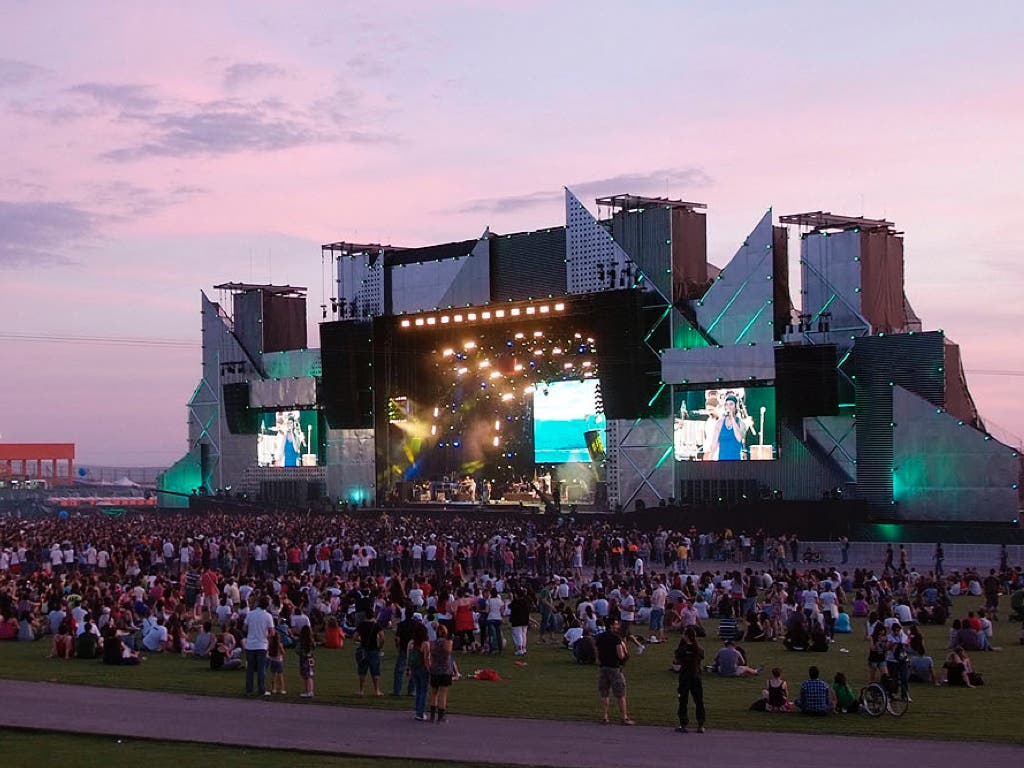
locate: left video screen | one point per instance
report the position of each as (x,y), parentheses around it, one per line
(288,439)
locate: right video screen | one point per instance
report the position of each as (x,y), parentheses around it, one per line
(725,424)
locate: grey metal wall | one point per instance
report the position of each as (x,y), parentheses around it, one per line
(528,264)
(646,235)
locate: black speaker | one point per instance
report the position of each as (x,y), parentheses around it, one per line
(346,354)
(628,369)
(240,418)
(807,380)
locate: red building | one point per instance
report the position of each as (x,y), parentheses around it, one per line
(53,462)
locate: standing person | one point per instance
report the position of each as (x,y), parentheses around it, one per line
(495,608)
(887,568)
(546,605)
(519,619)
(403,634)
(442,673)
(418,667)
(371,636)
(259,626)
(690,658)
(659,598)
(612,655)
(275,663)
(897,658)
(844,547)
(939,557)
(307,664)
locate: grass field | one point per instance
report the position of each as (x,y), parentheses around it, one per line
(26,747)
(551,686)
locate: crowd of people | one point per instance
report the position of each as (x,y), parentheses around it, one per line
(242,591)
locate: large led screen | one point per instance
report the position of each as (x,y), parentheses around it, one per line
(565,420)
(725,424)
(288,439)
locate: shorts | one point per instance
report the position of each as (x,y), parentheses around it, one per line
(307,667)
(611,679)
(440,681)
(657,619)
(275,666)
(367,661)
(877,665)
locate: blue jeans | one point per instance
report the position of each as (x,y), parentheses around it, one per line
(256,664)
(400,662)
(494,635)
(420,681)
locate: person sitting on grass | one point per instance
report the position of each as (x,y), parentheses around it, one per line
(114,651)
(730,662)
(204,641)
(63,642)
(816,697)
(845,698)
(958,668)
(224,655)
(776,695)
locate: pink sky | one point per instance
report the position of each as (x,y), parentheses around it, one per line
(149,154)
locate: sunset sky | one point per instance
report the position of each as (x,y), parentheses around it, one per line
(149,151)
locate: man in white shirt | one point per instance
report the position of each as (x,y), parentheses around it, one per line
(659,596)
(258,626)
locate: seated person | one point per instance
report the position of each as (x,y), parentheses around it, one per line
(860,606)
(846,699)
(63,642)
(966,637)
(797,638)
(333,636)
(8,628)
(584,650)
(816,697)
(730,662)
(818,641)
(921,666)
(776,695)
(204,641)
(224,656)
(114,651)
(88,644)
(957,670)
(755,630)
(28,628)
(155,638)
(843,624)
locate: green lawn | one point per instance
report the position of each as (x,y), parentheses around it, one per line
(550,686)
(26,748)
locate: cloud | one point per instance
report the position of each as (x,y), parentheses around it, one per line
(124,200)
(14,73)
(41,233)
(244,72)
(650,183)
(220,128)
(123,96)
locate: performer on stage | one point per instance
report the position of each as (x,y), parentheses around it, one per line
(293,442)
(727,435)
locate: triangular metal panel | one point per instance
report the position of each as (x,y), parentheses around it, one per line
(737,308)
(593,261)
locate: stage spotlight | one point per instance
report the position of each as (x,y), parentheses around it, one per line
(469,345)
(471,316)
(507,396)
(495,374)
(485,363)
(531,310)
(419,321)
(567,366)
(514,311)
(405,323)
(497,425)
(538,334)
(445,319)
(463,370)
(528,390)
(559,307)
(517,367)
(448,352)
(433,429)
(545,309)
(556,351)
(538,352)
(499,313)
(520,335)
(457,318)
(431,321)
(586,363)
(497,441)
(485,315)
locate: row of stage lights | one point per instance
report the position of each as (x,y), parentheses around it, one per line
(486,314)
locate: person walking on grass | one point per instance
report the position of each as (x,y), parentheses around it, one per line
(307,664)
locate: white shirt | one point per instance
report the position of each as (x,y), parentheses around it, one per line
(258,624)
(659,597)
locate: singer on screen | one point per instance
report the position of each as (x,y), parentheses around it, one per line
(726,443)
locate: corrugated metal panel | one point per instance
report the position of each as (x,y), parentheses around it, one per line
(646,235)
(528,265)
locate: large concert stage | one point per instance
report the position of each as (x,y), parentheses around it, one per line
(603,364)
